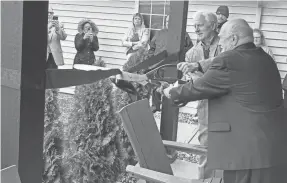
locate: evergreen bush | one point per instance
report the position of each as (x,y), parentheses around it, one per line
(53,139)
(95,151)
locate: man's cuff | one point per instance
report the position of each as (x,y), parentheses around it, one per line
(199,67)
(173,93)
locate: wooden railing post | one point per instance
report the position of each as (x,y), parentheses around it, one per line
(258,14)
(176,37)
(32,101)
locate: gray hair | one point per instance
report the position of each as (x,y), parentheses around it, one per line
(208,16)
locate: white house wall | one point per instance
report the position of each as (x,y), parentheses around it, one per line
(274,27)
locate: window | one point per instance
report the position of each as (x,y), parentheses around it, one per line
(154,13)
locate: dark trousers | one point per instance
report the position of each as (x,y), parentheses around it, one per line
(51,64)
(264,175)
(285,99)
(156,100)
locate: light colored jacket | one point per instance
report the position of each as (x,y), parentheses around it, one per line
(196,54)
(54,44)
(142,36)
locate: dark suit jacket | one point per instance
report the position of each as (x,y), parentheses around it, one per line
(285,83)
(246,126)
(285,93)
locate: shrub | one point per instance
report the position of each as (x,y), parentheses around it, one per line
(53,139)
(94,148)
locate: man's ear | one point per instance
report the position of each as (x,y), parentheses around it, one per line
(235,40)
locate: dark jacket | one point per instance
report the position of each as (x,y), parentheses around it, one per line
(285,92)
(85,49)
(219,25)
(247,129)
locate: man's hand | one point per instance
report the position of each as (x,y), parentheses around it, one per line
(186,67)
(163,86)
(87,35)
(166,91)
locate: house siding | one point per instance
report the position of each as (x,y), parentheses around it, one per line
(274,27)
(114,17)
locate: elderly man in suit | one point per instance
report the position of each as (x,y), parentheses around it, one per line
(246,127)
(56,33)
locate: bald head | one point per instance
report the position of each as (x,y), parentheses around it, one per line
(240,28)
(235,32)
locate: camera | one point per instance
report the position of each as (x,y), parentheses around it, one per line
(55,17)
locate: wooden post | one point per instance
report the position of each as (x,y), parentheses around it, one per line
(258,14)
(176,37)
(32,100)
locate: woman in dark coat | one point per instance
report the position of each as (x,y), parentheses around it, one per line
(86,42)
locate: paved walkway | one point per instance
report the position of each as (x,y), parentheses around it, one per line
(186,133)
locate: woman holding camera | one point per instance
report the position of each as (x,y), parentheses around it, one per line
(86,42)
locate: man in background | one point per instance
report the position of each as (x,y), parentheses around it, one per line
(246,127)
(56,33)
(222,14)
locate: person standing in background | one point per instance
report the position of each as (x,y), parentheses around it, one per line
(56,33)
(259,41)
(136,41)
(222,14)
(86,42)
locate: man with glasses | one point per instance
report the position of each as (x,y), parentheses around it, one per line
(56,33)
